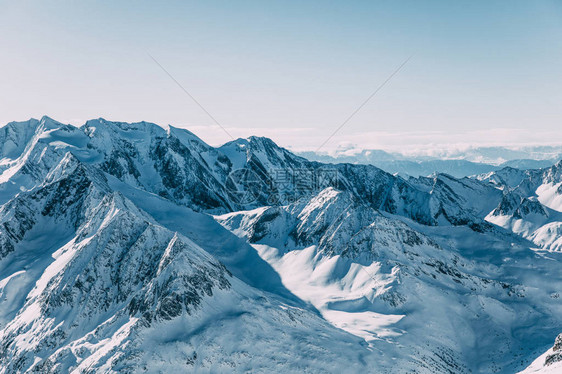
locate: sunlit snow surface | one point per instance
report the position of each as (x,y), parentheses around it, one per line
(339,291)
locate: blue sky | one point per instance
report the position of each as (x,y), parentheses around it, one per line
(482,72)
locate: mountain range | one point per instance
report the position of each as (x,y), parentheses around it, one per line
(130,248)
(460,163)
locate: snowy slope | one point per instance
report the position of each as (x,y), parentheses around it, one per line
(548,363)
(376,277)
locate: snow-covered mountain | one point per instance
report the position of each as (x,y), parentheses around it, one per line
(127,247)
(92,283)
(378,276)
(531,204)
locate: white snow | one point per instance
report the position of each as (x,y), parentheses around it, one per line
(549,195)
(338,288)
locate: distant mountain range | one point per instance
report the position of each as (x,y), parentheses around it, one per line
(130,248)
(458,164)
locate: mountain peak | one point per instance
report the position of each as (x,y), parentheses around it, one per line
(48,123)
(185,136)
(125,126)
(253,142)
